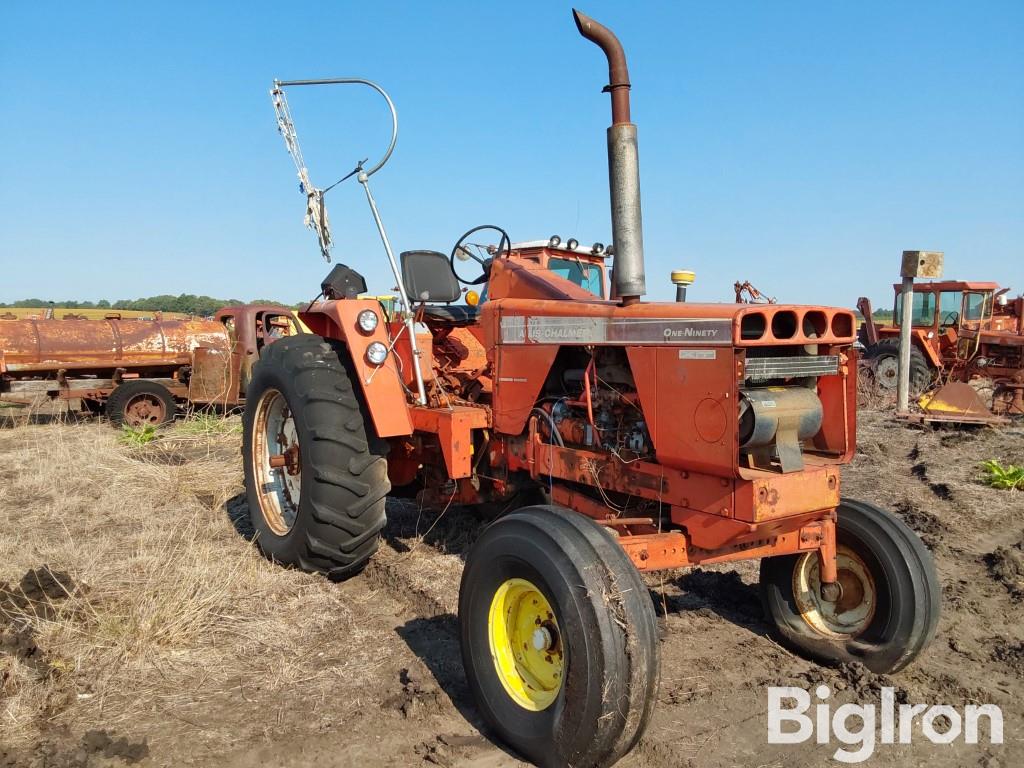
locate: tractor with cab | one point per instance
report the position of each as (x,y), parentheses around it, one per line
(962,332)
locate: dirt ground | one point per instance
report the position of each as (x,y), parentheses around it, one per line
(138,625)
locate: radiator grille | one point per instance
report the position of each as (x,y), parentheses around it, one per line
(791,367)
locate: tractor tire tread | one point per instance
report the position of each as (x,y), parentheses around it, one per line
(341,512)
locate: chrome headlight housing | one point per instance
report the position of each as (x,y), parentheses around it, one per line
(376,353)
(367,321)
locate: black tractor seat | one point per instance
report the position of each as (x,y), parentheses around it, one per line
(429,281)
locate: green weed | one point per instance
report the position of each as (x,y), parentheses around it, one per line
(1009,477)
(138,437)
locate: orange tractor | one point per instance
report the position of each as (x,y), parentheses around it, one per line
(961,332)
(620,437)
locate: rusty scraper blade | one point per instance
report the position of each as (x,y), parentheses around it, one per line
(957,402)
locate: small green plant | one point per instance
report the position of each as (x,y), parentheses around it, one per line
(138,437)
(1009,477)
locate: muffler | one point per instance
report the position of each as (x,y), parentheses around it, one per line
(623,166)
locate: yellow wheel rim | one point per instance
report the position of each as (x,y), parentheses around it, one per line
(526,644)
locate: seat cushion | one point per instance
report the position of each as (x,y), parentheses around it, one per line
(458,314)
(428,277)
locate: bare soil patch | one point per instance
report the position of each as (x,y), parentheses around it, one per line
(139,625)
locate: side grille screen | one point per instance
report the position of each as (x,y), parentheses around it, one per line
(791,367)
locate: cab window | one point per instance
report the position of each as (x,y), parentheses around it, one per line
(586,276)
(923,313)
(278,326)
(949,307)
(976,306)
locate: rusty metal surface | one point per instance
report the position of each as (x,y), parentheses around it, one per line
(215,377)
(933,418)
(754,296)
(957,403)
(956,399)
(870,328)
(39,346)
(618,74)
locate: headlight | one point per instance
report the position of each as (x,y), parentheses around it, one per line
(376,353)
(367,320)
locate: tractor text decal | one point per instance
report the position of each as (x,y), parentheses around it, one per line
(601,330)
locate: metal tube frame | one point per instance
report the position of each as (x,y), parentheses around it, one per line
(363,178)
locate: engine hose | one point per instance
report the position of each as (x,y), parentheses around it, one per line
(555,434)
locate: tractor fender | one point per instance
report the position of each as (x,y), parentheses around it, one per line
(381,385)
(920,338)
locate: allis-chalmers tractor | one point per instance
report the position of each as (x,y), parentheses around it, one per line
(961,332)
(623,437)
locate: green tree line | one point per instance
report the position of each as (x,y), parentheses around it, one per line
(186,303)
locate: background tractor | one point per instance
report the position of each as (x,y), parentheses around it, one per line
(962,332)
(618,436)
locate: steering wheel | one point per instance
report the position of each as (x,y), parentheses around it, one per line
(950,319)
(464,251)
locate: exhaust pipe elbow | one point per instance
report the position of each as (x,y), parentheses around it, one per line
(618,74)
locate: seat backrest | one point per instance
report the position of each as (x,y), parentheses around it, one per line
(428,277)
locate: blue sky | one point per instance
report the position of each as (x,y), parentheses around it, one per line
(800,145)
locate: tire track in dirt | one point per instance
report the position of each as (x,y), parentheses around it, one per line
(421,572)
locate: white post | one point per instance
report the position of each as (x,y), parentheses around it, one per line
(920,264)
(906,320)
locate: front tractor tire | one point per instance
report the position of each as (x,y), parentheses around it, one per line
(559,638)
(315,472)
(888,607)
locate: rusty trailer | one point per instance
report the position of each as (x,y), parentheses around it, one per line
(138,371)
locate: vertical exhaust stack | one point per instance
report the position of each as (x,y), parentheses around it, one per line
(623,166)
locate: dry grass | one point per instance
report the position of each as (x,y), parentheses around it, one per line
(174,611)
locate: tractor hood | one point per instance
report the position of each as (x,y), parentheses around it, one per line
(518,321)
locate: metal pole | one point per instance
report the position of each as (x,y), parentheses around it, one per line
(906,319)
(410,324)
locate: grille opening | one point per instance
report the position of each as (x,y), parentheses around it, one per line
(784,324)
(815,324)
(752,326)
(842,324)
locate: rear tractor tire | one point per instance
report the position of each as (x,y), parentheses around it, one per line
(885,357)
(316,476)
(888,605)
(559,638)
(138,404)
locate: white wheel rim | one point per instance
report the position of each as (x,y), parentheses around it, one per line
(279,488)
(887,372)
(852,613)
